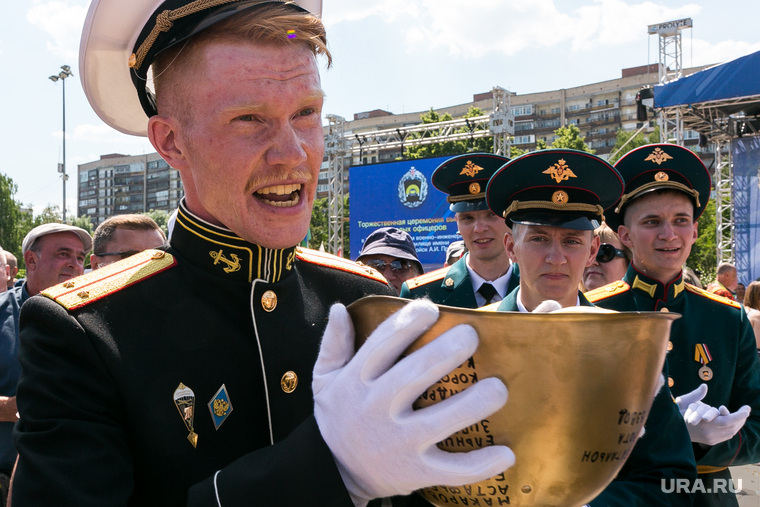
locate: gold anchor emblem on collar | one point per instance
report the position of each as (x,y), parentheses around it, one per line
(232,265)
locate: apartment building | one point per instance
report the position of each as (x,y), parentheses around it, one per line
(117,184)
(599,110)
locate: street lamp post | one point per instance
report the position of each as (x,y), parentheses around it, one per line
(65,72)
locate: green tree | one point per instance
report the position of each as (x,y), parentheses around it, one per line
(447,148)
(568,137)
(318,228)
(704,253)
(625,141)
(82,222)
(10,217)
(161,217)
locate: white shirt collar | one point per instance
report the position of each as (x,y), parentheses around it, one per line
(500,284)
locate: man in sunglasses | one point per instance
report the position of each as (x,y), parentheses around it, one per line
(391,252)
(553,200)
(122,236)
(712,359)
(484,274)
(611,261)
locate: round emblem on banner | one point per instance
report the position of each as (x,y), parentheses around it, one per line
(412,188)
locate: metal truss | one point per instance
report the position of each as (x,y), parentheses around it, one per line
(336,148)
(500,124)
(724,227)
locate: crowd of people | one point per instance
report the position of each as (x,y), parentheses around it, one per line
(105,375)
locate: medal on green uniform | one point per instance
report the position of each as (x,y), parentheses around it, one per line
(184,400)
(702,356)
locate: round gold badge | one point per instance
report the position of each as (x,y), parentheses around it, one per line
(474,187)
(670,382)
(670,345)
(269,301)
(661,176)
(705,373)
(448,282)
(289,382)
(559,197)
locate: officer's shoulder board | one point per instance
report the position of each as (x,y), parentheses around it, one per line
(339,263)
(97,284)
(433,276)
(709,295)
(606,291)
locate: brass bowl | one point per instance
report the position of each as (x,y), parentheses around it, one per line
(581,384)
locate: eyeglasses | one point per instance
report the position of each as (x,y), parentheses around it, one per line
(122,255)
(397,266)
(608,252)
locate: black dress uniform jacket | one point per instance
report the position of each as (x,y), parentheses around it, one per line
(723,327)
(658,459)
(99,425)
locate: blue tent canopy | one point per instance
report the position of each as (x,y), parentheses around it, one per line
(735,79)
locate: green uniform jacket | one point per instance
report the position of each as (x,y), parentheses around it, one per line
(662,455)
(99,424)
(720,324)
(450,286)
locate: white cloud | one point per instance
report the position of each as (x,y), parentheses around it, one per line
(701,52)
(103,134)
(62,22)
(388,11)
(509,27)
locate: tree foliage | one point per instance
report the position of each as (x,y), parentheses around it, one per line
(448,148)
(704,253)
(161,217)
(318,228)
(632,141)
(10,217)
(568,137)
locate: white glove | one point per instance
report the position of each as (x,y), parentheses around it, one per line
(363,406)
(706,424)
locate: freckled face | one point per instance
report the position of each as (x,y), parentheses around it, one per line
(253,143)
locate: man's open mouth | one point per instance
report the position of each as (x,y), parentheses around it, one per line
(282,196)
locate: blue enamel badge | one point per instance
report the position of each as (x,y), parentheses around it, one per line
(220,406)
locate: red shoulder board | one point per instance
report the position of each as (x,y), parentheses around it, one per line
(710,295)
(606,291)
(335,262)
(85,289)
(427,278)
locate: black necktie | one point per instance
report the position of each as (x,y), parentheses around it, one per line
(487,291)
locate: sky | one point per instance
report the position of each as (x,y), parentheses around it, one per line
(398,55)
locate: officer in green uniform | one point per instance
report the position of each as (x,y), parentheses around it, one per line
(484,274)
(221,369)
(553,200)
(714,368)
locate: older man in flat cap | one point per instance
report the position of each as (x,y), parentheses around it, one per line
(53,253)
(208,372)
